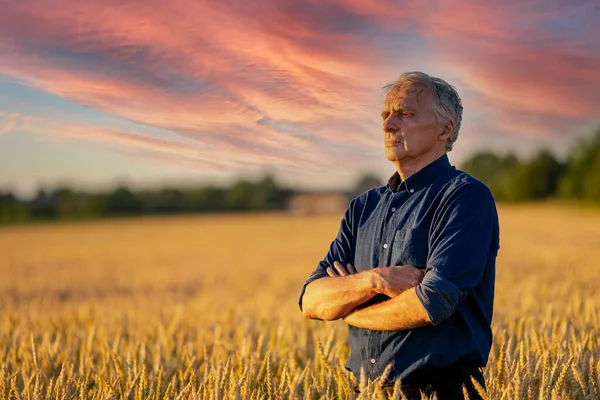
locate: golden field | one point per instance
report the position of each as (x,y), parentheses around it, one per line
(206,307)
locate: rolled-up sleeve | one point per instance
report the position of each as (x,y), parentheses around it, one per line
(341,249)
(460,242)
(316,274)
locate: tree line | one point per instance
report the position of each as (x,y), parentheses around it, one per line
(542,176)
(68,204)
(510,178)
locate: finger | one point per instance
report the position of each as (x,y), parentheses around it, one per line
(341,270)
(351,268)
(331,272)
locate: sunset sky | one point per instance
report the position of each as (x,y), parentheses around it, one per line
(162,92)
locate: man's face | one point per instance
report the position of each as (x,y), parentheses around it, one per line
(410,129)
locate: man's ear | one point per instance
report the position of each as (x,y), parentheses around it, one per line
(447,130)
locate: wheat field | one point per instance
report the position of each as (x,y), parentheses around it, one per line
(206,307)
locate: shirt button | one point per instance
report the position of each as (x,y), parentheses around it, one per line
(412,190)
(385,245)
(393,209)
(372,361)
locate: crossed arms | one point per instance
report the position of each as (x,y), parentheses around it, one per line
(464,233)
(344,292)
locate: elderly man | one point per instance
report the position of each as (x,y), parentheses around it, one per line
(412,268)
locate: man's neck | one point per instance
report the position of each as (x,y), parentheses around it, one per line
(410,166)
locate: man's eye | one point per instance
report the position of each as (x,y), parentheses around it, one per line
(385,115)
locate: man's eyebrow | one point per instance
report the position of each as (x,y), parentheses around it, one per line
(387,111)
(403,107)
(397,107)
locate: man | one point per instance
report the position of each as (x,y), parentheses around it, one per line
(412,268)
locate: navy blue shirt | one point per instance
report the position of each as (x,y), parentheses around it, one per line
(444,221)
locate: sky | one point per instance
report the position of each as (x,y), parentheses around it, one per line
(157,93)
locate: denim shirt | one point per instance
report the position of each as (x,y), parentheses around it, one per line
(444,221)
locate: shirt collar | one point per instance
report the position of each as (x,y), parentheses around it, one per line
(421,178)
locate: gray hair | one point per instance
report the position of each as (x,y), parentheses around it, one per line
(446,103)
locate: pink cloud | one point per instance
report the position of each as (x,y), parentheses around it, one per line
(283,83)
(239,71)
(533,82)
(206,157)
(8,122)
(11,122)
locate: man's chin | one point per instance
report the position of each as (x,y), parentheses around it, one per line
(393,156)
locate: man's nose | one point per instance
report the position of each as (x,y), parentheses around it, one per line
(390,124)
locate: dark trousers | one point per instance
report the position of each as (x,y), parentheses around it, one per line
(446,383)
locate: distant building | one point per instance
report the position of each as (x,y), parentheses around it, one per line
(319,203)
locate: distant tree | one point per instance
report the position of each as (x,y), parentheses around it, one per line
(269,195)
(241,196)
(8,207)
(582,178)
(365,182)
(591,180)
(66,203)
(213,199)
(494,170)
(535,179)
(264,194)
(93,205)
(170,201)
(43,206)
(123,201)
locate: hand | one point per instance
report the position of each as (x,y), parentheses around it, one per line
(339,269)
(394,280)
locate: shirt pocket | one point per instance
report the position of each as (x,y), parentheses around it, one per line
(410,246)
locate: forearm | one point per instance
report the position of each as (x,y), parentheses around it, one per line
(404,311)
(331,298)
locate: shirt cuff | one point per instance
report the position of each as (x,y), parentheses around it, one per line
(313,277)
(439,296)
